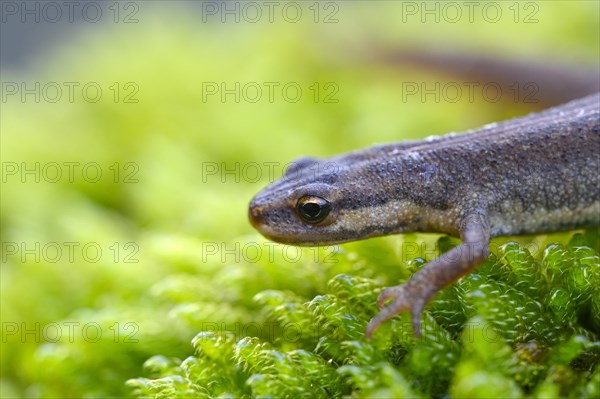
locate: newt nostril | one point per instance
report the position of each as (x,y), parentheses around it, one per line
(255,215)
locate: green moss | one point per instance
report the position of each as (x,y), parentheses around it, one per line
(485,337)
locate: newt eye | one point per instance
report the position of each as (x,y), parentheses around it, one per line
(313,209)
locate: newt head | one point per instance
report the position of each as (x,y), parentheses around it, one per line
(301,208)
(327,202)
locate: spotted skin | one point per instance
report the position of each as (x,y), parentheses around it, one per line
(534,174)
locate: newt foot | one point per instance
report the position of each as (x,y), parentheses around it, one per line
(406,297)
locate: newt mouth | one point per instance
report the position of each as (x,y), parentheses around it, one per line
(256,216)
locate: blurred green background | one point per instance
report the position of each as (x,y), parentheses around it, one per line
(170,224)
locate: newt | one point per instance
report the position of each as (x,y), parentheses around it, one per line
(533,174)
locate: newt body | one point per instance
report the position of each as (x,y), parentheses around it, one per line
(534,174)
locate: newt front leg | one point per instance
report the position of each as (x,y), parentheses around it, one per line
(434,276)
